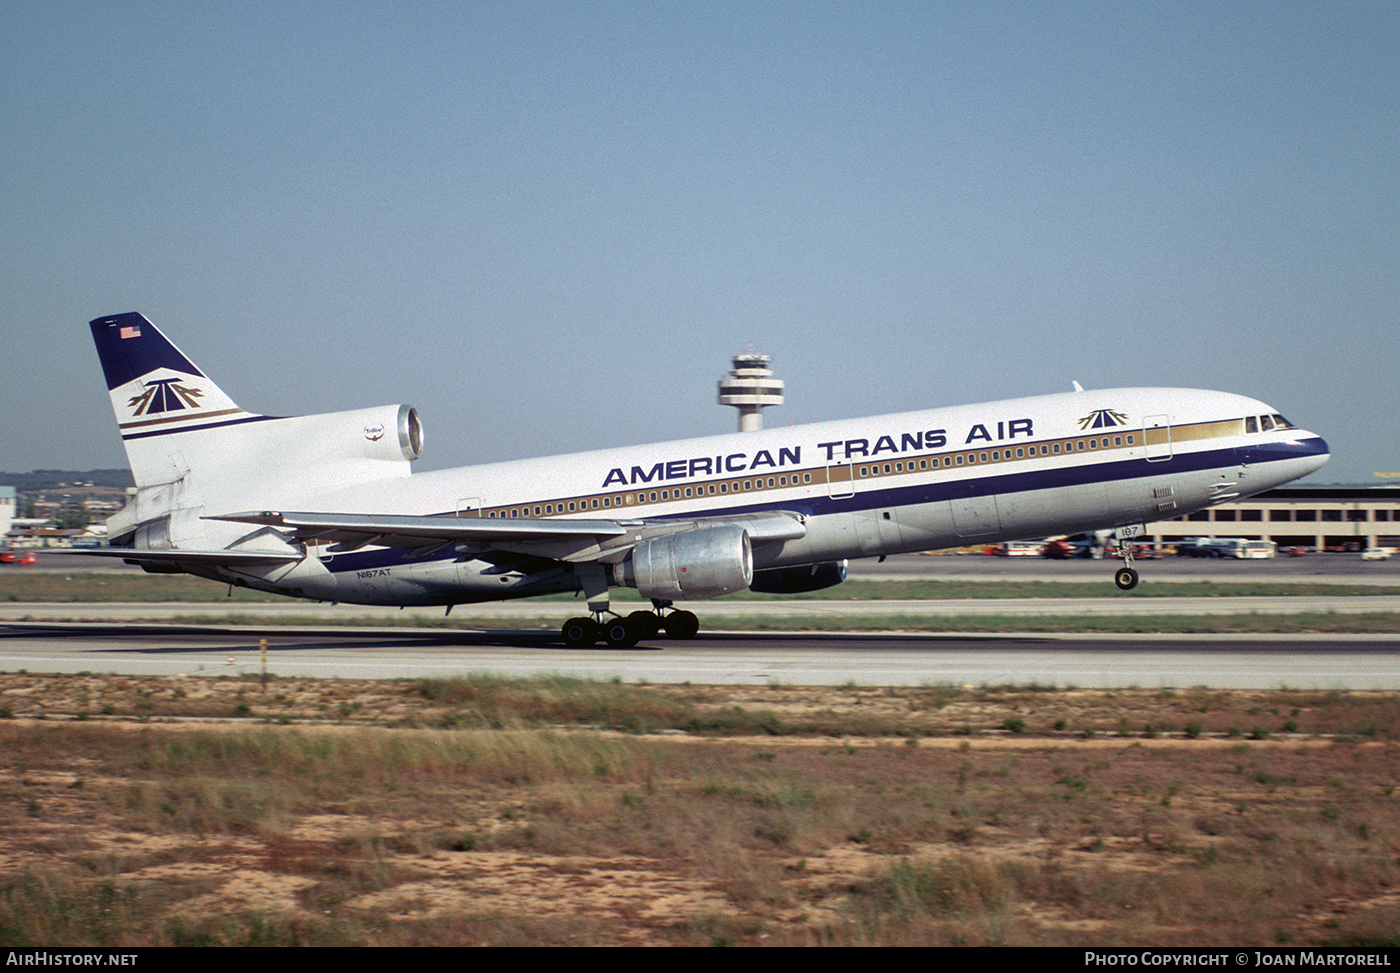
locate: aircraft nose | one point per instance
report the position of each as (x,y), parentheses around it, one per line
(1313,447)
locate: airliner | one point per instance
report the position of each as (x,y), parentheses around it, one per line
(326,506)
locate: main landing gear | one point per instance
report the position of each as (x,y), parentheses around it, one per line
(623,632)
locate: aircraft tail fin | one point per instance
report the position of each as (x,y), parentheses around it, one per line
(191,446)
(156,393)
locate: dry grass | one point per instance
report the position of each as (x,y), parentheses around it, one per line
(514,812)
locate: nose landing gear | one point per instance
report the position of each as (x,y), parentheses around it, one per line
(1126,577)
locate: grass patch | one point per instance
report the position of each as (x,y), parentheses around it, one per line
(564,827)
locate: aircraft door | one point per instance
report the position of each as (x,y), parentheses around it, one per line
(840,480)
(1157,437)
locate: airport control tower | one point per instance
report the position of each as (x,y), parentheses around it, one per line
(750,388)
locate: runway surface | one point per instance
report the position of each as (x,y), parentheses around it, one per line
(713,614)
(118,638)
(1237,662)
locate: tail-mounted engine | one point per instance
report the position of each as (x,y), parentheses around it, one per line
(388,432)
(380,434)
(703,563)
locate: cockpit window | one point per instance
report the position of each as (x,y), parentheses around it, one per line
(1266,423)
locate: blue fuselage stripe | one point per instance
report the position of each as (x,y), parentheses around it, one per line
(932,488)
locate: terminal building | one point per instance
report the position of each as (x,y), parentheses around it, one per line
(1318,518)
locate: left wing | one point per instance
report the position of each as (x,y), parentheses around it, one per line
(557,538)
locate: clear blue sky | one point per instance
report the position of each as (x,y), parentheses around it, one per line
(548,225)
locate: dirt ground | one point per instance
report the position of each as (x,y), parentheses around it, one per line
(154,810)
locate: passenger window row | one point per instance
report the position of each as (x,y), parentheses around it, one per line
(613,501)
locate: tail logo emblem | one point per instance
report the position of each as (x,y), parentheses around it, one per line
(1103,419)
(165,395)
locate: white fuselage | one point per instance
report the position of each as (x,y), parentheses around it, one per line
(939,478)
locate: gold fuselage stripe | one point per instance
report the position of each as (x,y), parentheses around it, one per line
(844,471)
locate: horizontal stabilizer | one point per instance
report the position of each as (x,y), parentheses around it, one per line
(186,557)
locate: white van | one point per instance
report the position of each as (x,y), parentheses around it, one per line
(1254,549)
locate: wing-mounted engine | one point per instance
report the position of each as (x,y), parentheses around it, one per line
(702,563)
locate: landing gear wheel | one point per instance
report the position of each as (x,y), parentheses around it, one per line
(621,633)
(1126,579)
(579,632)
(648,623)
(681,625)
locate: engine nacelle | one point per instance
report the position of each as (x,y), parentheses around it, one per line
(704,563)
(386,433)
(392,432)
(792,581)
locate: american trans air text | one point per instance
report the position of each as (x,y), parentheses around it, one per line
(787,456)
